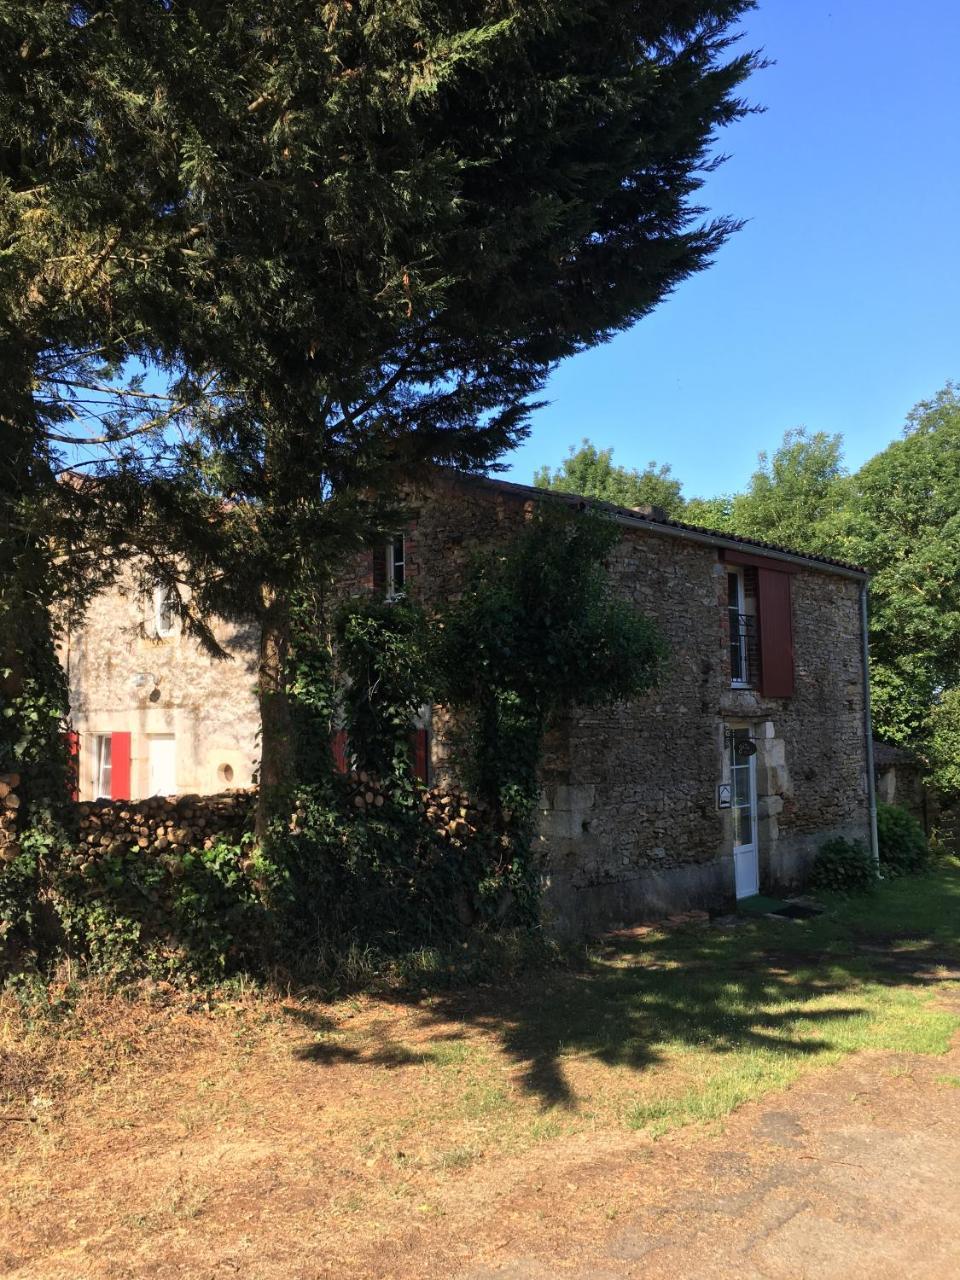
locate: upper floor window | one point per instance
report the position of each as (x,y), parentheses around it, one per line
(166,609)
(396,565)
(741,611)
(760,614)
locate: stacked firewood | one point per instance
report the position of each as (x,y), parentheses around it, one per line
(9,804)
(452,814)
(162,824)
(172,825)
(448,810)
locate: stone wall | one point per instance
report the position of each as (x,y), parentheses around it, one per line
(630,824)
(123,677)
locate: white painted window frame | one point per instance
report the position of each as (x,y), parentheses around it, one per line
(161,593)
(393,591)
(102,765)
(741,682)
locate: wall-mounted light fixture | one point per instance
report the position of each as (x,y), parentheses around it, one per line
(743,748)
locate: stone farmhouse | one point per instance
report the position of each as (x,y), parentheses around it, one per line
(720,783)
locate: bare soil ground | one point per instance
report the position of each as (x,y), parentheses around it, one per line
(695,1107)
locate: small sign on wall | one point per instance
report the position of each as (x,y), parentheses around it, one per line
(724,795)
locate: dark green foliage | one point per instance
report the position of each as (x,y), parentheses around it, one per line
(347,241)
(377,877)
(199,914)
(904,849)
(350,874)
(539,619)
(33,745)
(843,866)
(383,654)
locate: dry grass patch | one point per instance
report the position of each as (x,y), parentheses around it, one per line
(393,1135)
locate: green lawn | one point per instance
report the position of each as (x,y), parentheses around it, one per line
(685,1025)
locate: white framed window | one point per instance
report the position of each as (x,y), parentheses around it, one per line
(166,609)
(102,766)
(396,566)
(741,613)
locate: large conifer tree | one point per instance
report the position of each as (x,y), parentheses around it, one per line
(353,236)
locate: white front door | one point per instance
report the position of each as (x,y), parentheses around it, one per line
(743,776)
(162,759)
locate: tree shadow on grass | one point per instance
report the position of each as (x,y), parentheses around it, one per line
(715,991)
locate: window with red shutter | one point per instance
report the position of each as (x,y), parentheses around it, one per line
(421,755)
(73,747)
(120,766)
(776,633)
(338,746)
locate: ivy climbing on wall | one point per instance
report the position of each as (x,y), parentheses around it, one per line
(538,631)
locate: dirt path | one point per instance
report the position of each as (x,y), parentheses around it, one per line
(853,1173)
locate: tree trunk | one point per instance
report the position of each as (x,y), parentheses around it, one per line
(277,749)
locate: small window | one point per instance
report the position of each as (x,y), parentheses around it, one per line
(102,767)
(166,609)
(396,566)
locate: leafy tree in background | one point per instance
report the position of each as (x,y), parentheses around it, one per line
(795,495)
(591,471)
(350,241)
(709,513)
(902,522)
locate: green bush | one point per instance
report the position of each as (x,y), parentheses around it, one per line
(843,866)
(198,914)
(904,849)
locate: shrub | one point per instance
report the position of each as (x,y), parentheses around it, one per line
(843,866)
(196,913)
(904,849)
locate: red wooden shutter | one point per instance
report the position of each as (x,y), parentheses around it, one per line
(73,746)
(420,745)
(120,766)
(776,634)
(338,745)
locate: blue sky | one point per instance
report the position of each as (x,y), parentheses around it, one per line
(835,308)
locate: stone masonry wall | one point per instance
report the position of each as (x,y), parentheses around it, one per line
(630,825)
(124,678)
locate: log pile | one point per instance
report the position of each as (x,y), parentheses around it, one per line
(9,804)
(170,826)
(451,814)
(162,824)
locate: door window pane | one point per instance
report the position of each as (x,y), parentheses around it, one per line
(741,776)
(742,826)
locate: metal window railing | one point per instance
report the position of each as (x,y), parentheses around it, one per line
(744,650)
